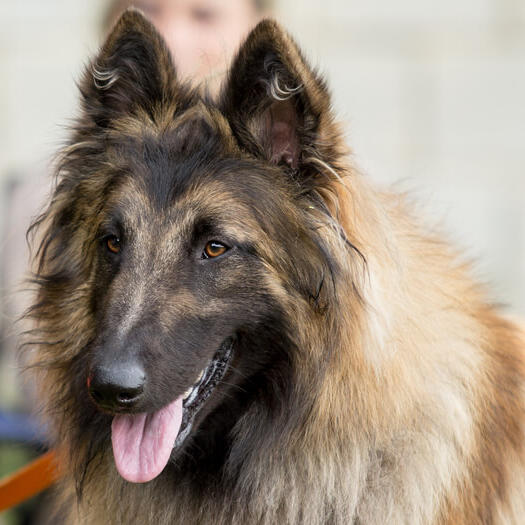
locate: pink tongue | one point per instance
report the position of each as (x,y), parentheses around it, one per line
(142,443)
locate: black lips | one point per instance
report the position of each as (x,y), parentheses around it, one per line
(204,388)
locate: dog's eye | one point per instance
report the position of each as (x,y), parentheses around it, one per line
(213,249)
(113,244)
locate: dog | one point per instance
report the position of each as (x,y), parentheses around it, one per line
(231,326)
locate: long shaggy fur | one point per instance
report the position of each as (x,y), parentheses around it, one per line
(372,382)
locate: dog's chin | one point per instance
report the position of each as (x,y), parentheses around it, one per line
(144,443)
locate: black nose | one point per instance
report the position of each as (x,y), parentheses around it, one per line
(117,387)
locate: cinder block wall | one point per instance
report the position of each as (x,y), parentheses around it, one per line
(433,96)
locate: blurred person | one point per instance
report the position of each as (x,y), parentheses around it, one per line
(202,35)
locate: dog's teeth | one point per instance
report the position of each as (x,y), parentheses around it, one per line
(190,390)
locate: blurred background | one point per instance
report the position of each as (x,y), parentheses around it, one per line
(432,95)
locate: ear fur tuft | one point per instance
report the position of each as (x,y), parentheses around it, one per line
(133,71)
(278,107)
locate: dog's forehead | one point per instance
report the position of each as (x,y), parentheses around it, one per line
(188,170)
(176,127)
(176,196)
(208,209)
(166,156)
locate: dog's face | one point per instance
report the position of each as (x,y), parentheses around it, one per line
(194,226)
(177,254)
(180,278)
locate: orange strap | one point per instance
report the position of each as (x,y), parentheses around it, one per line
(29,480)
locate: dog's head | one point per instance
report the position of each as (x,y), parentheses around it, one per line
(191,247)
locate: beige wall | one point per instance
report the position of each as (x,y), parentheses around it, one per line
(432,93)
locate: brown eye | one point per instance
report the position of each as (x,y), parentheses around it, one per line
(214,249)
(113,244)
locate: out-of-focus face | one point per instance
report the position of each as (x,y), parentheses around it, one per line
(202,35)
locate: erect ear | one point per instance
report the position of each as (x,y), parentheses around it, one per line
(278,107)
(133,71)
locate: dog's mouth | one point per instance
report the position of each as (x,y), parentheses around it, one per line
(143,443)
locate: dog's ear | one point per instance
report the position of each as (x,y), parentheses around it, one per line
(133,71)
(278,107)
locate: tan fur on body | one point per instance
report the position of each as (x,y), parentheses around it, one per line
(416,410)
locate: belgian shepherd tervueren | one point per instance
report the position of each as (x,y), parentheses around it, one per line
(232,326)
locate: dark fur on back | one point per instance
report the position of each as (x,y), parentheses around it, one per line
(330,412)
